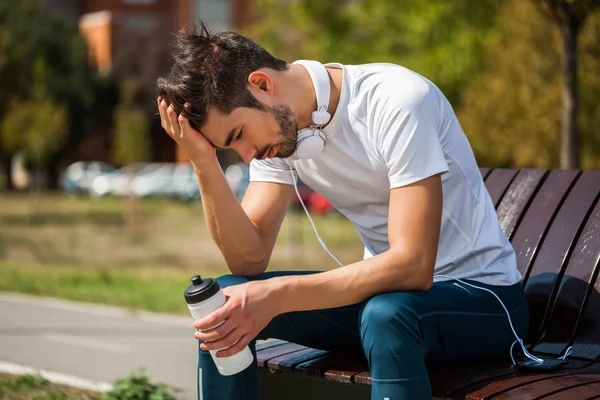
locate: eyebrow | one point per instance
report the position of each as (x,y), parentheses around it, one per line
(230,137)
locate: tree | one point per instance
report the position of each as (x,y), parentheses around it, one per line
(30,32)
(569,16)
(512,112)
(131,143)
(35,126)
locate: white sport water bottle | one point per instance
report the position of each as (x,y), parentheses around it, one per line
(204,296)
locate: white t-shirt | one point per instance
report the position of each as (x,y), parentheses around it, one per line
(393,127)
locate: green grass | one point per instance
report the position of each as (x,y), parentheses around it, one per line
(35,387)
(151,289)
(78,248)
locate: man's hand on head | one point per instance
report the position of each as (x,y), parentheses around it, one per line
(196,146)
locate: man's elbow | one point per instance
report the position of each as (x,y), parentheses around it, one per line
(421,268)
(247,266)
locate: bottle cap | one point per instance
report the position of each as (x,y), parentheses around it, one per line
(201,289)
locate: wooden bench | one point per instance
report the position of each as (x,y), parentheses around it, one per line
(553,221)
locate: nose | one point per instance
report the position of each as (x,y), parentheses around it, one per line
(247,152)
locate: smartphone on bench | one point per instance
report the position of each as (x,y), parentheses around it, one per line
(551,364)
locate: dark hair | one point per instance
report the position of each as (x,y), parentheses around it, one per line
(211,70)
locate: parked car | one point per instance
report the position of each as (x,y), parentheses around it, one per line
(177,180)
(78,177)
(116,183)
(238,177)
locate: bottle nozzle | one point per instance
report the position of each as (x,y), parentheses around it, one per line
(196,279)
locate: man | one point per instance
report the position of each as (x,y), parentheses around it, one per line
(394,160)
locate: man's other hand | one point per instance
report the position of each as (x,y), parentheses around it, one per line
(247,311)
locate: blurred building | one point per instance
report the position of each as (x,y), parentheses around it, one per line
(129,38)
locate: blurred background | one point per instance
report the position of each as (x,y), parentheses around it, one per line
(98,204)
(92,187)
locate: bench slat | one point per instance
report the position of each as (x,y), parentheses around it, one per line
(346,372)
(573,292)
(557,384)
(485,172)
(456,380)
(498,181)
(587,339)
(363,378)
(501,386)
(517,197)
(337,368)
(263,356)
(586,391)
(270,343)
(287,362)
(547,269)
(532,228)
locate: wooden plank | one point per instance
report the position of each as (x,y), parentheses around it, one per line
(587,337)
(497,182)
(547,270)
(317,366)
(495,388)
(573,294)
(539,389)
(532,229)
(263,356)
(517,197)
(364,378)
(586,391)
(287,362)
(270,343)
(485,172)
(334,367)
(345,372)
(457,381)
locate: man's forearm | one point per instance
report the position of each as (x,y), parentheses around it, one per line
(235,235)
(353,283)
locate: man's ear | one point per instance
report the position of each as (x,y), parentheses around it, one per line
(261,81)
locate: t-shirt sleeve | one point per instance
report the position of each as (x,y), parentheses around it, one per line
(273,170)
(405,125)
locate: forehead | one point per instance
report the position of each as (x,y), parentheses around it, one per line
(218,125)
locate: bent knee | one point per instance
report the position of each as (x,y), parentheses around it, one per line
(389,310)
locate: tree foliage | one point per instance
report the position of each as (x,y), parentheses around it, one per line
(35,125)
(30,32)
(512,113)
(443,40)
(131,129)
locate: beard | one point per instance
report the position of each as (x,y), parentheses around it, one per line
(288,132)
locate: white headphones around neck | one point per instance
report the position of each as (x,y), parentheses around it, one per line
(311,140)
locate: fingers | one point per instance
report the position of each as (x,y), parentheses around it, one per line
(236,348)
(228,340)
(184,125)
(215,333)
(174,124)
(162,110)
(212,320)
(165,111)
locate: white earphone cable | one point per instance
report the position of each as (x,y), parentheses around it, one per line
(518,339)
(321,241)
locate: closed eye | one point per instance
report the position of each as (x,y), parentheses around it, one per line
(239,135)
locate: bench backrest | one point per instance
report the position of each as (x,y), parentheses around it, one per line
(552,219)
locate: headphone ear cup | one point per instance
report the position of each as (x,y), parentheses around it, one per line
(310,143)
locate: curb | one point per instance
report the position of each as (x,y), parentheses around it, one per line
(55,377)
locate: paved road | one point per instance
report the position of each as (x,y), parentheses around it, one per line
(96,342)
